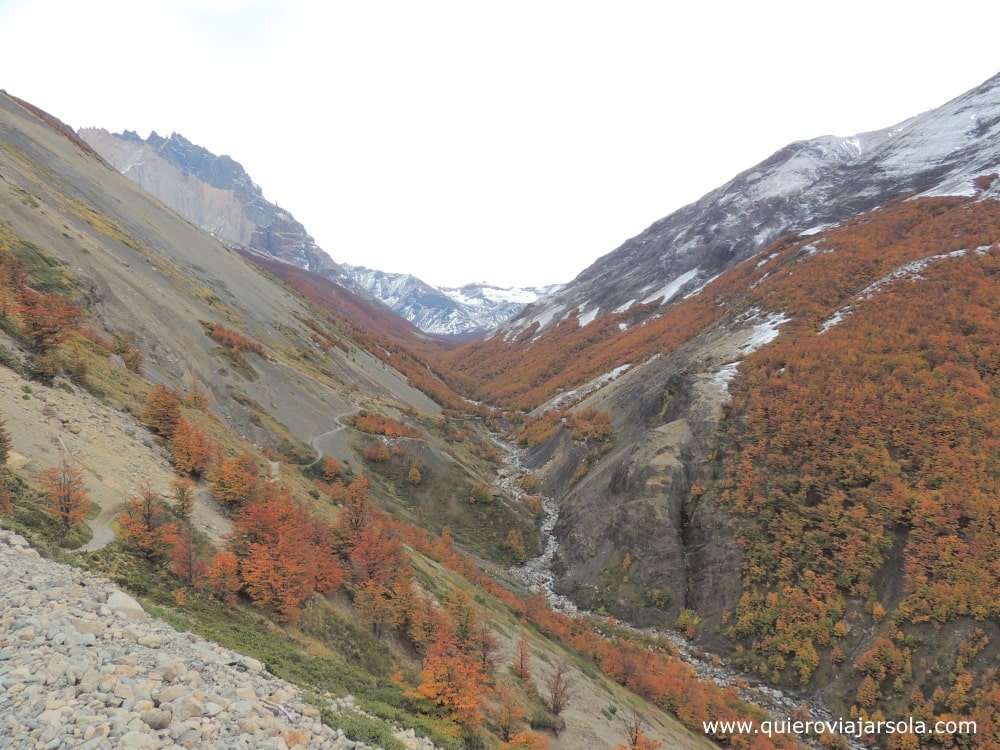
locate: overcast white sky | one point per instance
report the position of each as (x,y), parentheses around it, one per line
(510,141)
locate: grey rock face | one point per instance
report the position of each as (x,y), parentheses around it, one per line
(214,192)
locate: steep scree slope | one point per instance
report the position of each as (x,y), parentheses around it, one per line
(82,665)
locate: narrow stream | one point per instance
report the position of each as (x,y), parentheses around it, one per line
(536,575)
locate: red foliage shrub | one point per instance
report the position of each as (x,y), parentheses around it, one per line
(233,340)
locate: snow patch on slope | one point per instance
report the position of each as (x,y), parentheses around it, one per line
(724,376)
(588,317)
(697,290)
(909,271)
(578,394)
(762,332)
(670,289)
(817,229)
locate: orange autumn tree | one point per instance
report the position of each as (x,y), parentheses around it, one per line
(184,560)
(381,606)
(234,481)
(285,555)
(331,468)
(508,714)
(66,497)
(162,411)
(485,645)
(424,622)
(376,555)
(184,495)
(222,576)
(190,449)
(233,340)
(454,681)
(378,424)
(47,319)
(639,741)
(373,556)
(355,515)
(376,452)
(196,396)
(414,476)
(146,523)
(635,738)
(527,741)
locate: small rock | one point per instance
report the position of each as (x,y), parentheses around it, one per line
(172,693)
(157,718)
(138,741)
(187,707)
(124,605)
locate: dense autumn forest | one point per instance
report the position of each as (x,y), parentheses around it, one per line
(862,455)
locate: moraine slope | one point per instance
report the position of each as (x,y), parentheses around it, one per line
(82,665)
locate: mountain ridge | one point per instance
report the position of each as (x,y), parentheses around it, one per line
(801,186)
(217,194)
(467,310)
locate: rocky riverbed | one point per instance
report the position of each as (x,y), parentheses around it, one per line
(83,666)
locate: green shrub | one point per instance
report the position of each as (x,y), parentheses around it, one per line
(361,728)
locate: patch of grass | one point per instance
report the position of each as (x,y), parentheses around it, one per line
(30,520)
(419,716)
(103,224)
(369,730)
(46,273)
(9,359)
(442,499)
(103,380)
(239,363)
(25,197)
(546,721)
(350,640)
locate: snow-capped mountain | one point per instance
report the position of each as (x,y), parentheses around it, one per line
(216,193)
(445,311)
(801,188)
